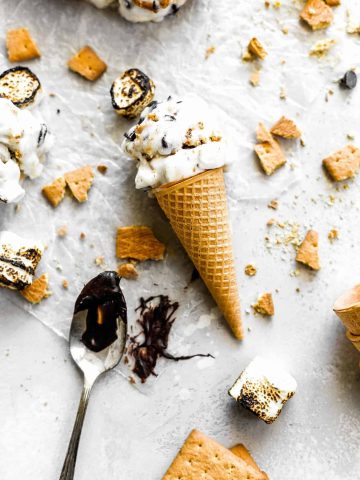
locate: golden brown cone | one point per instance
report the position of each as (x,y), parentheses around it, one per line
(347,308)
(197,211)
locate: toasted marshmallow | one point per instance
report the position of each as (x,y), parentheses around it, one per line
(25,137)
(18,260)
(263,387)
(21,86)
(148,10)
(131,93)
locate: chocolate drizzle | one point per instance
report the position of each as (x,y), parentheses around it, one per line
(156,321)
(105,304)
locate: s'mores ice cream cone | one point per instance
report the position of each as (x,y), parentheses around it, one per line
(181,156)
(347,308)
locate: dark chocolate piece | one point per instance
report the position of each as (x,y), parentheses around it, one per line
(105,304)
(156,320)
(349,80)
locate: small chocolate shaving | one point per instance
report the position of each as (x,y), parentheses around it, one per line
(156,321)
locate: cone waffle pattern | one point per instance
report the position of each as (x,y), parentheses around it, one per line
(197,210)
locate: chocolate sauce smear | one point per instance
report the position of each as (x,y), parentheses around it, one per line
(105,304)
(156,320)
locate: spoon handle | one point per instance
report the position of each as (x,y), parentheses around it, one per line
(68,469)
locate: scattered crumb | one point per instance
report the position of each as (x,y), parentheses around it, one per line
(250,270)
(317,14)
(209,51)
(256,49)
(127,270)
(285,30)
(87,64)
(274,204)
(270,222)
(62,231)
(343,164)
(138,243)
(352,26)
(285,128)
(308,252)
(82,236)
(132,380)
(255,78)
(282,94)
(322,47)
(102,168)
(100,260)
(65,284)
(265,305)
(38,290)
(333,235)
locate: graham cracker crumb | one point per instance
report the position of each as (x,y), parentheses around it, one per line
(265,305)
(20,46)
(333,235)
(127,270)
(322,47)
(55,191)
(250,270)
(343,164)
(38,290)
(82,236)
(65,284)
(209,51)
(274,204)
(138,243)
(62,231)
(100,260)
(256,49)
(87,64)
(285,128)
(317,14)
(102,168)
(308,252)
(255,78)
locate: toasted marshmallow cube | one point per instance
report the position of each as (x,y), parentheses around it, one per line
(131,92)
(263,387)
(19,258)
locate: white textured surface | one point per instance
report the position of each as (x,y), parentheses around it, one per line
(131,433)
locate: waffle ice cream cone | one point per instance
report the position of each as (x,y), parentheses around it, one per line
(197,210)
(347,308)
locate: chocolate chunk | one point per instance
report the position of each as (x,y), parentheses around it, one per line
(349,80)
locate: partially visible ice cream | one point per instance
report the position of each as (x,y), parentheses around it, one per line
(19,258)
(263,387)
(174,140)
(24,140)
(148,10)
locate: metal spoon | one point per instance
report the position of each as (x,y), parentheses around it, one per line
(97,343)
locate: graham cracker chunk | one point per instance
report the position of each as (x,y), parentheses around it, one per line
(308,253)
(55,191)
(256,49)
(127,270)
(203,458)
(138,243)
(20,46)
(241,451)
(79,181)
(269,152)
(343,164)
(38,290)
(87,64)
(317,14)
(285,128)
(265,305)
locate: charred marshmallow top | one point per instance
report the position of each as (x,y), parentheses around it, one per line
(24,140)
(148,10)
(174,140)
(263,387)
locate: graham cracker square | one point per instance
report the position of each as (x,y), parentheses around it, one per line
(20,46)
(79,182)
(55,191)
(200,457)
(87,64)
(343,164)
